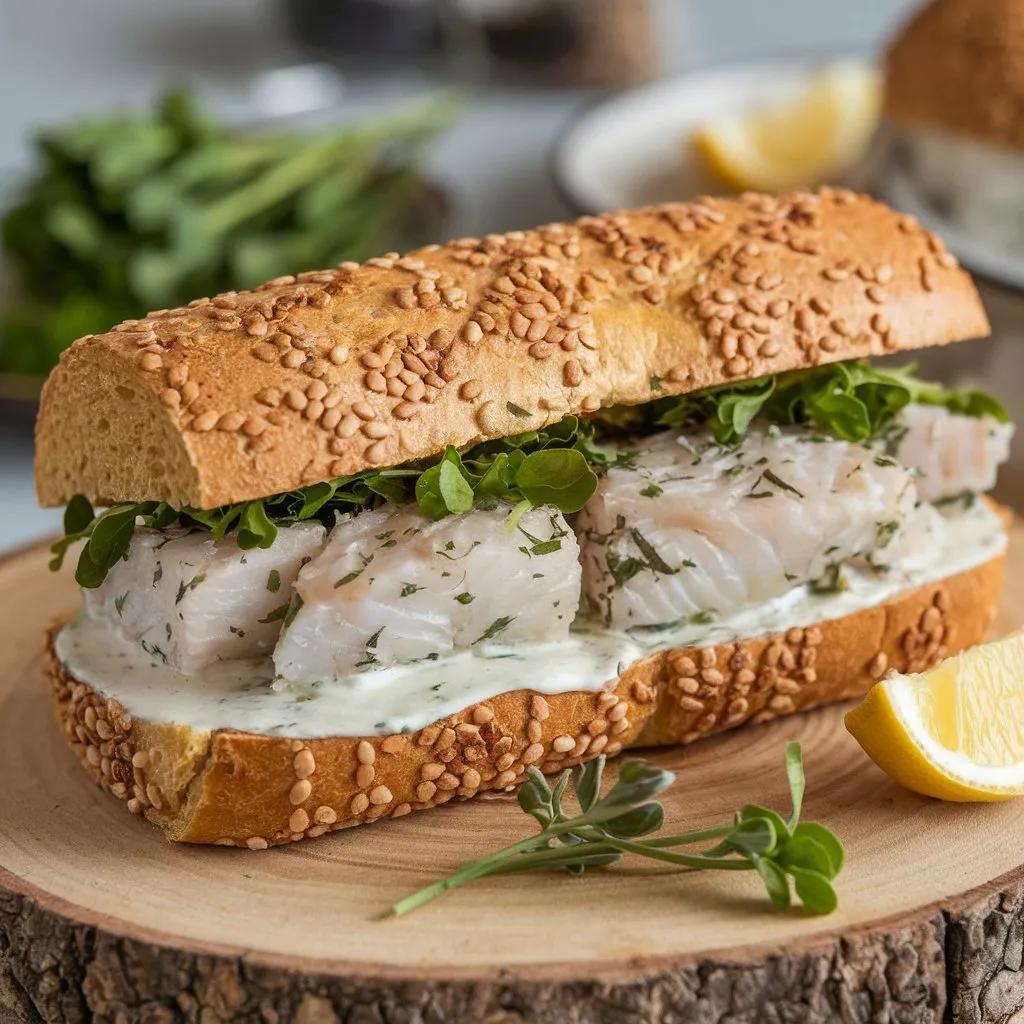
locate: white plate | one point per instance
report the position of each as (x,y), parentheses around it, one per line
(634,148)
(899,189)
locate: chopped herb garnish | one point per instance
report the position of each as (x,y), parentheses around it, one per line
(184,588)
(654,561)
(409,589)
(831,581)
(159,574)
(517,410)
(119,603)
(277,615)
(465,598)
(496,627)
(274,581)
(652,491)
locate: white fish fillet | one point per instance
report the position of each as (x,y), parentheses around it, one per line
(392,586)
(952,453)
(190,600)
(693,528)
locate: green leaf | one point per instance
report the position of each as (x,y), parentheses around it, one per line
(255,530)
(559,477)
(752,811)
(637,822)
(755,837)
(586,782)
(815,891)
(535,796)
(638,781)
(78,514)
(827,840)
(775,881)
(455,490)
(805,853)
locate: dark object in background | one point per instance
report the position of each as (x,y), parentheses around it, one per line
(137,212)
(366,28)
(571,42)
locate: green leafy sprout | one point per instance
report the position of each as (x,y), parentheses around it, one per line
(146,210)
(788,854)
(551,467)
(853,401)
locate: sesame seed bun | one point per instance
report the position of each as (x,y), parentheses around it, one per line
(304,379)
(958,65)
(241,789)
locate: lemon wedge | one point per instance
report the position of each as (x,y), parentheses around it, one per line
(955,732)
(815,139)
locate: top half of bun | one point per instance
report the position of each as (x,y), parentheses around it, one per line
(958,66)
(308,378)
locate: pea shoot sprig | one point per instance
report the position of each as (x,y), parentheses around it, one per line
(785,852)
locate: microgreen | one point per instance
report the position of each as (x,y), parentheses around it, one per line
(551,466)
(853,401)
(781,850)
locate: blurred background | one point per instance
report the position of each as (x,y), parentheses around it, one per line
(154,151)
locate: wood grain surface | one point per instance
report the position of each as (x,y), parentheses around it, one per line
(102,921)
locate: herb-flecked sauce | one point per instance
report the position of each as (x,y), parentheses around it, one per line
(243,694)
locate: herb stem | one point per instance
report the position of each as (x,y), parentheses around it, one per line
(686,860)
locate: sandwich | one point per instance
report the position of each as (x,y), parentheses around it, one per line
(954,105)
(375,538)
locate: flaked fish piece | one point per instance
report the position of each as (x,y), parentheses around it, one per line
(694,529)
(393,586)
(953,454)
(190,600)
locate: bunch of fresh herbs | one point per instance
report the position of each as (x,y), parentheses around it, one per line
(786,853)
(143,211)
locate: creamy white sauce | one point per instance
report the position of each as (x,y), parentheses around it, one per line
(242,694)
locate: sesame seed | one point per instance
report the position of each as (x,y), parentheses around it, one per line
(877,294)
(300,791)
(598,744)
(304,764)
(505,778)
(231,421)
(376,453)
(256,843)
(471,779)
(325,815)
(572,373)
(189,392)
(293,359)
(431,770)
(401,810)
(563,744)
(472,332)
(364,410)
(359,803)
(447,781)
(424,791)
(539,708)
(534,752)
(205,421)
(365,774)
(299,821)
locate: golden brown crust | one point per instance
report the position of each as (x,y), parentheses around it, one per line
(959,65)
(256,393)
(241,789)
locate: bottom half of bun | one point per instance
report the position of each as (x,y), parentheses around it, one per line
(242,789)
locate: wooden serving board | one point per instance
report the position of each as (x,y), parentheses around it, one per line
(102,921)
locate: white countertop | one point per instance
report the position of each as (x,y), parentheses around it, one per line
(60,58)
